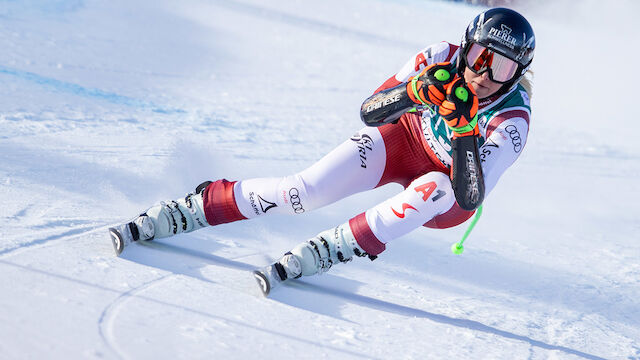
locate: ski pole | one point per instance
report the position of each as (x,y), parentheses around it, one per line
(458,248)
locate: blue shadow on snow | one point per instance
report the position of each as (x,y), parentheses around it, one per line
(79,90)
(346,296)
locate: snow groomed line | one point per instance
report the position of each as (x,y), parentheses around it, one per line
(69,233)
(80,90)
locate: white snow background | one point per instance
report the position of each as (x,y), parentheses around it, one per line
(109,106)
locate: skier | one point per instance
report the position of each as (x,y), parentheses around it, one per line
(446,127)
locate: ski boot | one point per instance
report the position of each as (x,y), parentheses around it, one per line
(316,256)
(162,220)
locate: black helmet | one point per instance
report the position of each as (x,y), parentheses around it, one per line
(503,31)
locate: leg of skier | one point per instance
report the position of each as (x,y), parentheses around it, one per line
(354,166)
(428,194)
(163,220)
(365,234)
(358,163)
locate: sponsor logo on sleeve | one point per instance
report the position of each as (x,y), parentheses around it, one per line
(485,150)
(382,103)
(516,139)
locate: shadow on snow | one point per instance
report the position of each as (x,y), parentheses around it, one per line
(311,303)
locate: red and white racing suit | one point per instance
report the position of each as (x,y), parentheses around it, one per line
(415,152)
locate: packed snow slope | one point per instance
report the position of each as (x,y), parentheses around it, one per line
(109,106)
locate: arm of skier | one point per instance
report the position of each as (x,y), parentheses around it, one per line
(436,53)
(426,88)
(459,110)
(432,194)
(505,140)
(393,98)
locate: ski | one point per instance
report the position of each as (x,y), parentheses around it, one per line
(140,228)
(117,241)
(263,282)
(122,236)
(268,278)
(271,276)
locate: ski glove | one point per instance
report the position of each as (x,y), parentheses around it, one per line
(460,109)
(430,85)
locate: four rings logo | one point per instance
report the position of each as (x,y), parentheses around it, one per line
(294,196)
(516,139)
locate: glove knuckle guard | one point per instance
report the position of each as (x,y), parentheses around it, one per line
(430,85)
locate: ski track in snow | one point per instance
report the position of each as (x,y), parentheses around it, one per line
(66,235)
(107,318)
(106,111)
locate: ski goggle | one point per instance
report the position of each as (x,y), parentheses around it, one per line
(480,59)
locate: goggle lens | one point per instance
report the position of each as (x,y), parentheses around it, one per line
(480,59)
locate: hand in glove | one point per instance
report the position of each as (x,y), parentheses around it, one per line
(460,109)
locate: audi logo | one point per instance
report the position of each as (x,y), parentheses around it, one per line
(294,196)
(516,140)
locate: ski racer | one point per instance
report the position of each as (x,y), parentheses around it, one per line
(446,127)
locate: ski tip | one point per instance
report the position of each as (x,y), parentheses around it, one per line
(263,282)
(117,240)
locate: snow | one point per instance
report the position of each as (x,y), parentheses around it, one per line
(108,107)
